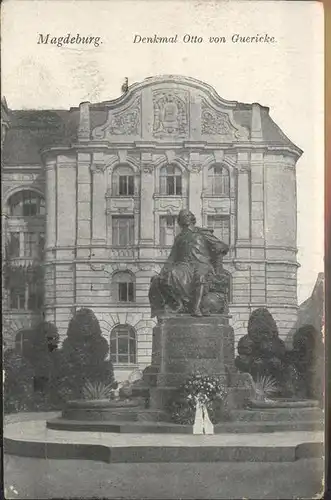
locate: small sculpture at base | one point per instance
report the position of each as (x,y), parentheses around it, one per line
(193,280)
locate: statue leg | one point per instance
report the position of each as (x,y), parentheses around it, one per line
(198,294)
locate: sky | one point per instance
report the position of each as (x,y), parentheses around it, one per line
(287,75)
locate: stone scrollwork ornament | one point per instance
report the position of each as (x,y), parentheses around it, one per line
(170,113)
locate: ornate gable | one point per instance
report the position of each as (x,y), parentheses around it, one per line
(170,109)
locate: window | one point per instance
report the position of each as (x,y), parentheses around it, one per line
(123,287)
(168,230)
(17,298)
(171,181)
(26,203)
(218,181)
(35,297)
(123,230)
(26,244)
(123,181)
(123,345)
(14,245)
(28,297)
(31,245)
(221,226)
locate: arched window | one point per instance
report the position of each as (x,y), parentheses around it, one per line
(171,181)
(27,204)
(123,285)
(123,181)
(123,345)
(218,181)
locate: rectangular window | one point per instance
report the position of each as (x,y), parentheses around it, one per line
(30,204)
(31,245)
(14,245)
(35,297)
(168,230)
(17,298)
(126,185)
(122,231)
(125,292)
(221,226)
(178,184)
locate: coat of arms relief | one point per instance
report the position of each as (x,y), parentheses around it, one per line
(171,113)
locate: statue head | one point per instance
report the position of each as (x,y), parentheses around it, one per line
(185,218)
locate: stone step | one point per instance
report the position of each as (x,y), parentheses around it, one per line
(170,428)
(278,415)
(29,439)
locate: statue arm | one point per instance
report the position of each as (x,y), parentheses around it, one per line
(217,249)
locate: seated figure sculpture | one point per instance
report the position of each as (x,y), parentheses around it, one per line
(193,280)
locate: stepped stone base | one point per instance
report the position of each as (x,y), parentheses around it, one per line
(183,345)
(29,439)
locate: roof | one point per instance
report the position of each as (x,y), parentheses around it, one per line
(32,130)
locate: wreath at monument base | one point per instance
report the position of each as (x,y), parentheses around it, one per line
(198,389)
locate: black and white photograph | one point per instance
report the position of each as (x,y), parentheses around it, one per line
(162,249)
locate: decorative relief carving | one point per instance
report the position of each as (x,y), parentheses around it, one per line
(20,177)
(97,168)
(124,122)
(171,113)
(173,205)
(153,268)
(215,122)
(148,168)
(195,168)
(120,205)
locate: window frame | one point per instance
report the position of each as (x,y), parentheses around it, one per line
(117,231)
(131,337)
(163,228)
(25,197)
(123,172)
(223,180)
(123,278)
(174,179)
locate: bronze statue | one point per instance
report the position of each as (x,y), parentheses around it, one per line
(193,280)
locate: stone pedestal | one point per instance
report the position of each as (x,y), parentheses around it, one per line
(183,345)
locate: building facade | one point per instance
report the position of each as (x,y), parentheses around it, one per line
(90,198)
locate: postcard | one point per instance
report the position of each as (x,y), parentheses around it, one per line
(163,249)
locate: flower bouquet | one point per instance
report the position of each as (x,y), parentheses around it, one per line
(196,398)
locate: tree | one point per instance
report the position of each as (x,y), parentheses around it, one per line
(261,325)
(262,353)
(18,382)
(83,355)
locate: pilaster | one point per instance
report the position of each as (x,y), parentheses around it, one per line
(146,200)
(243,206)
(83,203)
(195,186)
(51,189)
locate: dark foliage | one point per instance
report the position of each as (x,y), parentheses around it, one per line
(261,325)
(82,357)
(307,357)
(262,353)
(18,382)
(31,375)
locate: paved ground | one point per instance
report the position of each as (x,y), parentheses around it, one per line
(43,479)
